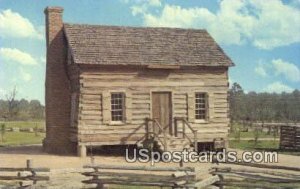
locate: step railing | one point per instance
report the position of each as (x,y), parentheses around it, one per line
(153,131)
(186,124)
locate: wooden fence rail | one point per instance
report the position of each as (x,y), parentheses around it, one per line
(174,177)
(26,175)
(252,178)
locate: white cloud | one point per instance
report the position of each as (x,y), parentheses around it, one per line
(260,70)
(278,87)
(288,70)
(138,9)
(25,75)
(16,55)
(142,6)
(155,3)
(236,22)
(12,24)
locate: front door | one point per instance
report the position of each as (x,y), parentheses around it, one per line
(161,110)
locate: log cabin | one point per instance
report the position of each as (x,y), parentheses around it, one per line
(117,85)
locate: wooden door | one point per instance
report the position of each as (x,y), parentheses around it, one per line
(162,110)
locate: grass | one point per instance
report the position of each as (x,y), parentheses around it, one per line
(250,134)
(250,144)
(21,138)
(24,124)
(268,145)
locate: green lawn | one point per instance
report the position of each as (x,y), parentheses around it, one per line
(21,138)
(251,134)
(268,145)
(250,144)
(24,124)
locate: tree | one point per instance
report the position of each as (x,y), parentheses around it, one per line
(36,110)
(12,104)
(236,94)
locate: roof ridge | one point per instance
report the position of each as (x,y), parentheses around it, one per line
(134,27)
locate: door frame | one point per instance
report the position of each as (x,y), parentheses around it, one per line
(171,127)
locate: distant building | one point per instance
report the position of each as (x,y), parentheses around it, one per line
(105,85)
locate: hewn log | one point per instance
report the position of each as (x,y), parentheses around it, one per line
(10,169)
(244,184)
(264,171)
(206,182)
(133,183)
(265,166)
(260,177)
(182,174)
(145,168)
(37,178)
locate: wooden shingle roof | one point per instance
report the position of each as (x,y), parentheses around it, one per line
(116,45)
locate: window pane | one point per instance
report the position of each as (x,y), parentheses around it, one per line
(200,106)
(117,106)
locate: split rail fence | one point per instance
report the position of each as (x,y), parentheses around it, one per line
(267,177)
(27,176)
(172,177)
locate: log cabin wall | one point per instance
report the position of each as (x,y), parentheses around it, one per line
(96,83)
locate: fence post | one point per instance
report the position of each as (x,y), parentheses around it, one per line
(221,181)
(28,163)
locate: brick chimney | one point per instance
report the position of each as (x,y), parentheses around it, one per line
(57,86)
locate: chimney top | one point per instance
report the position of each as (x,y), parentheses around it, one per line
(53,9)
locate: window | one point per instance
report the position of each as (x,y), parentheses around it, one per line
(117,106)
(201,106)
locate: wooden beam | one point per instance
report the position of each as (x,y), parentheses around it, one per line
(265,166)
(37,178)
(9,169)
(206,182)
(145,168)
(163,66)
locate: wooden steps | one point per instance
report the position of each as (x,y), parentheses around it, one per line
(174,144)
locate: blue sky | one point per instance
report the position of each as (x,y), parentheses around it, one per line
(261,37)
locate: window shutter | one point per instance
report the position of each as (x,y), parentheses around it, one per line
(191,107)
(106,107)
(128,107)
(211,105)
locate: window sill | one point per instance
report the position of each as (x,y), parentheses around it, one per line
(117,123)
(201,121)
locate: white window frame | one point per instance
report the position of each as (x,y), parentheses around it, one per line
(205,103)
(122,121)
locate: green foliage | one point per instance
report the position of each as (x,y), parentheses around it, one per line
(250,144)
(263,107)
(21,110)
(256,135)
(237,133)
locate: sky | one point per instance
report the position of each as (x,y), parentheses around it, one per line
(261,37)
